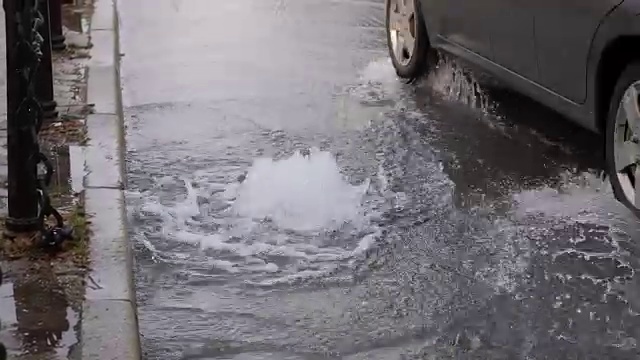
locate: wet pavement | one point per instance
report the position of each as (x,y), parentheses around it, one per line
(289,198)
(41,297)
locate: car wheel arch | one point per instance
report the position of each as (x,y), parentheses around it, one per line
(614,58)
(612,49)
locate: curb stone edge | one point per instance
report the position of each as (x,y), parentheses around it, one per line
(109,323)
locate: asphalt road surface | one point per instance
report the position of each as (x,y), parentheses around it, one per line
(290,198)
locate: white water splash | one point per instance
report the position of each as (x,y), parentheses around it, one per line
(453,82)
(277,222)
(301,193)
(380,71)
(580,197)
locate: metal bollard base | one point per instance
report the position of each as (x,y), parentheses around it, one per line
(49,109)
(58,42)
(22,225)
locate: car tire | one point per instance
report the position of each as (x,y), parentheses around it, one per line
(418,58)
(616,133)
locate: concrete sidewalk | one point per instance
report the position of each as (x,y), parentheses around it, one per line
(80,304)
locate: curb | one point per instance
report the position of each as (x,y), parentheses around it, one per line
(109,321)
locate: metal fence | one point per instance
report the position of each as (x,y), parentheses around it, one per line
(30,99)
(33,29)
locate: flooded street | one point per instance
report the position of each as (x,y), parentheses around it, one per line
(290,198)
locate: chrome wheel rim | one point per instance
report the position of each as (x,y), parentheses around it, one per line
(627,144)
(402,29)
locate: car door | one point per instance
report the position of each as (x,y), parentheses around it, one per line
(513,35)
(465,23)
(564,30)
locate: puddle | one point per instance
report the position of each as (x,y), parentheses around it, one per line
(42,326)
(68,177)
(76,16)
(59,158)
(77,168)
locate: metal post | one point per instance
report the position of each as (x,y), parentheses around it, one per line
(21,152)
(44,85)
(55,14)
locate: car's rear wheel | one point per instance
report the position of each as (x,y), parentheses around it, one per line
(623,139)
(407,38)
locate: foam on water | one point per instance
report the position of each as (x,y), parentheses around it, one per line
(580,197)
(584,224)
(301,193)
(377,90)
(380,71)
(296,218)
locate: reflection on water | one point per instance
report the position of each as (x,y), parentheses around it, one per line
(37,319)
(41,320)
(77,15)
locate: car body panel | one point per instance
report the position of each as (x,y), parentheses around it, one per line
(513,36)
(620,23)
(431,10)
(521,84)
(563,35)
(576,66)
(466,23)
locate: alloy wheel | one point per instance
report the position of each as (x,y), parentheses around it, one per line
(626,144)
(402,29)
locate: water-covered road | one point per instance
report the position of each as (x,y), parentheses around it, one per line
(289,198)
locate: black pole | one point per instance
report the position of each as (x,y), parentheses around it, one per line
(44,80)
(55,14)
(23,195)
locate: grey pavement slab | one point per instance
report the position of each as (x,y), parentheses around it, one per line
(103,152)
(111,263)
(105,331)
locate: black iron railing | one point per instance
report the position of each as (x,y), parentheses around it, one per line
(29,101)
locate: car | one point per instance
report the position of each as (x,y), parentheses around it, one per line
(580,58)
